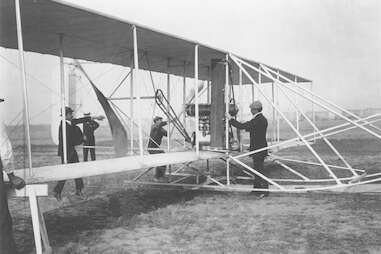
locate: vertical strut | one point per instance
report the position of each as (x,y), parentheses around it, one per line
(240,105)
(136,68)
(273,113)
(184,97)
(63,100)
(169,102)
(25,88)
(277,115)
(226,102)
(296,113)
(132,109)
(196,99)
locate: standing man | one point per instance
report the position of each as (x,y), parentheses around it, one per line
(88,137)
(74,137)
(7,243)
(155,137)
(257,127)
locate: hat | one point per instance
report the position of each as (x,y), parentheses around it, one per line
(1,100)
(68,110)
(157,118)
(87,114)
(256,105)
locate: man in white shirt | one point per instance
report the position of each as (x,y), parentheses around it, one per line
(6,154)
(7,243)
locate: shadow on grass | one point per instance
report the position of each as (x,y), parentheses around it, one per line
(68,224)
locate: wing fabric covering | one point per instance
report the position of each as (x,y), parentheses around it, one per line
(119,134)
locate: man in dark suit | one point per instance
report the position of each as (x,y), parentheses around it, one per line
(88,137)
(257,127)
(74,137)
(155,137)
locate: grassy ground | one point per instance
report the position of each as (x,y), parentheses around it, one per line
(220,223)
(120,218)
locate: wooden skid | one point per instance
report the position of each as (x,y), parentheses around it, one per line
(361,188)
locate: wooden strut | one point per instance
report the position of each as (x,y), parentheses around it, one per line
(32,192)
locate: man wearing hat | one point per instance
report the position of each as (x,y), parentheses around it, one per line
(155,137)
(88,137)
(74,137)
(257,127)
(7,243)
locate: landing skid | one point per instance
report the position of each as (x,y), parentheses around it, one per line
(189,177)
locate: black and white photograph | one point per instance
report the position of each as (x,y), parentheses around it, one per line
(190,126)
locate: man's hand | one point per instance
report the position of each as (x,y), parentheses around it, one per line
(16,181)
(100,118)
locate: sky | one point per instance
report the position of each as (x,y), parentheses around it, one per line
(335,43)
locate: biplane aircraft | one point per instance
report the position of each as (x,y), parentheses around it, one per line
(67,31)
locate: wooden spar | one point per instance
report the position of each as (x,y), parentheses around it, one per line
(208,86)
(240,116)
(196,99)
(63,99)
(226,113)
(20,43)
(110,166)
(296,113)
(313,110)
(132,109)
(169,105)
(135,71)
(184,95)
(273,112)
(277,115)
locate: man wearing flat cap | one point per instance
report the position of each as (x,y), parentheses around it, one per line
(155,137)
(257,127)
(74,137)
(7,243)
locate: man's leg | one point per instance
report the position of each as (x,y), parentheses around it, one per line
(78,181)
(259,182)
(58,189)
(92,154)
(85,154)
(79,184)
(160,171)
(7,243)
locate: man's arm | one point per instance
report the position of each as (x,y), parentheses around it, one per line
(95,125)
(246,125)
(76,121)
(6,152)
(163,131)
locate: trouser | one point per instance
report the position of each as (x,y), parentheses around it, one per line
(259,182)
(159,171)
(7,243)
(72,158)
(86,153)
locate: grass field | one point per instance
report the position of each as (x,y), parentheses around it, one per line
(120,218)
